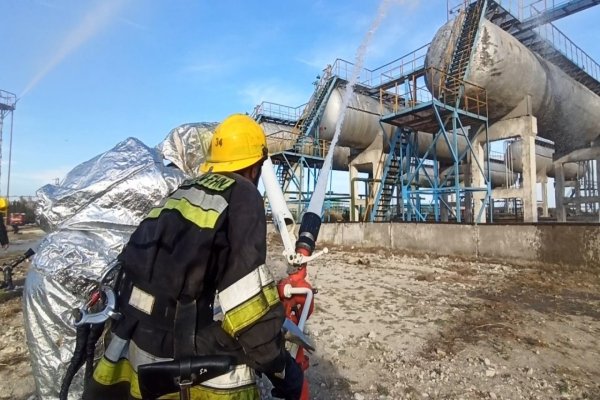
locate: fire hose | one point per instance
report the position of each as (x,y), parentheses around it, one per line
(90,320)
(295,292)
(7,270)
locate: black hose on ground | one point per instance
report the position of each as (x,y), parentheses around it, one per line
(81,341)
(96,331)
(86,337)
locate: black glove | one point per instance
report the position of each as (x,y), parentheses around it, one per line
(290,386)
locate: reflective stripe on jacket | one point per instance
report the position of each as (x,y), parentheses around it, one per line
(206,239)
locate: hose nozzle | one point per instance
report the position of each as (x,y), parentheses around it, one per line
(309,230)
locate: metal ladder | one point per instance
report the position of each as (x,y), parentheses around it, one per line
(389,180)
(461,58)
(282,174)
(315,107)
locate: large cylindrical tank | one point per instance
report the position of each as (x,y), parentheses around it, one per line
(361,122)
(543,157)
(442,149)
(543,160)
(500,176)
(567,112)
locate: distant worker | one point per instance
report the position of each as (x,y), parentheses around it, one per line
(327,72)
(3,234)
(206,240)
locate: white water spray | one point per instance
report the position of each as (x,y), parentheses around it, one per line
(318,198)
(92,23)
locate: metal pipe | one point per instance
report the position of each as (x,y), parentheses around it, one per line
(289,291)
(282,217)
(9,165)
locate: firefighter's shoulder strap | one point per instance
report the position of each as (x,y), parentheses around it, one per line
(184,329)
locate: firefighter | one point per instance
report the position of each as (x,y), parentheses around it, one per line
(3,234)
(206,239)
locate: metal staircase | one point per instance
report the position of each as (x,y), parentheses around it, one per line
(537,32)
(390,180)
(316,106)
(283,174)
(461,57)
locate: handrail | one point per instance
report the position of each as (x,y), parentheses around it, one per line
(442,87)
(288,140)
(372,78)
(565,46)
(8,99)
(279,111)
(533,8)
(526,11)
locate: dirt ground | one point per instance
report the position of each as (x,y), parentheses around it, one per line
(16,381)
(392,326)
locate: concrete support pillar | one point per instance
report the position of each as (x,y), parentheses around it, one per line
(478,179)
(444,208)
(598,186)
(354,201)
(577,190)
(370,159)
(559,192)
(525,127)
(468,200)
(529,181)
(544,181)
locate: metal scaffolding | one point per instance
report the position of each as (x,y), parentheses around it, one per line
(296,151)
(8,102)
(443,104)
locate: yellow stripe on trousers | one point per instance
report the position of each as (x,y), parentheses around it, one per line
(108,373)
(250,311)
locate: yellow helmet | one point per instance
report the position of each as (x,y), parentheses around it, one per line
(3,204)
(238,142)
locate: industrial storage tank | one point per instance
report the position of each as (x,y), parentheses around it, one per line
(361,122)
(543,161)
(567,112)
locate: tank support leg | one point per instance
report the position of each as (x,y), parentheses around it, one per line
(529,181)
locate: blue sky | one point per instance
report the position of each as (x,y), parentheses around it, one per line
(96,72)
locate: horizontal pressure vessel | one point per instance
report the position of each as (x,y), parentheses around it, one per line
(567,112)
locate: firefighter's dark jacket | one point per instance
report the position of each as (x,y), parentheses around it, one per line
(3,233)
(209,236)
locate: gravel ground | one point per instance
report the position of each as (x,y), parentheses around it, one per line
(391,326)
(16,381)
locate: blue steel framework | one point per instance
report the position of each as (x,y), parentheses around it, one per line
(8,102)
(446,112)
(441,115)
(298,153)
